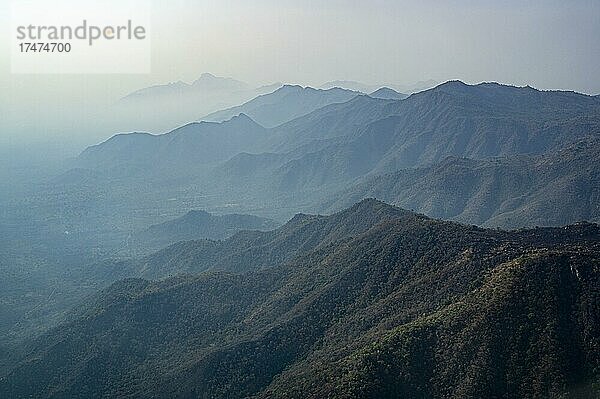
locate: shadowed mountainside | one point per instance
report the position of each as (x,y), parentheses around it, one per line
(379,302)
(550,189)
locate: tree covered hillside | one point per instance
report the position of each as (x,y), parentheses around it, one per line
(386,306)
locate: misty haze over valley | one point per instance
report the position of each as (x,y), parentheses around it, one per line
(338,230)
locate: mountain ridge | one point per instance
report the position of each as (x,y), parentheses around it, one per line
(284,104)
(409,294)
(293,166)
(386,93)
(204,142)
(204,82)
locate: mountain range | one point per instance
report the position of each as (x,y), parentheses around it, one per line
(197,143)
(283,105)
(206,82)
(373,302)
(343,147)
(369,88)
(555,188)
(366,139)
(167,106)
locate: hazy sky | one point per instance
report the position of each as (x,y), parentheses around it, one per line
(546,44)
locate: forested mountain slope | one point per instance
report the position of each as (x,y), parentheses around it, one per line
(408,306)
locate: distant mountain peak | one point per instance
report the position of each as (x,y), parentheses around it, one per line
(460,85)
(370,208)
(485,90)
(210,82)
(242,119)
(452,84)
(384,90)
(369,88)
(386,93)
(289,89)
(298,88)
(209,77)
(348,85)
(241,116)
(284,104)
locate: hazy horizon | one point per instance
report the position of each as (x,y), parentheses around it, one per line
(544,44)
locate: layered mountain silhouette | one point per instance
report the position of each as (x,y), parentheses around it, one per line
(368,88)
(550,189)
(313,158)
(350,85)
(192,144)
(285,104)
(426,129)
(163,107)
(373,301)
(206,82)
(453,119)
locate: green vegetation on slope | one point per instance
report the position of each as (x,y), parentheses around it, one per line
(375,302)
